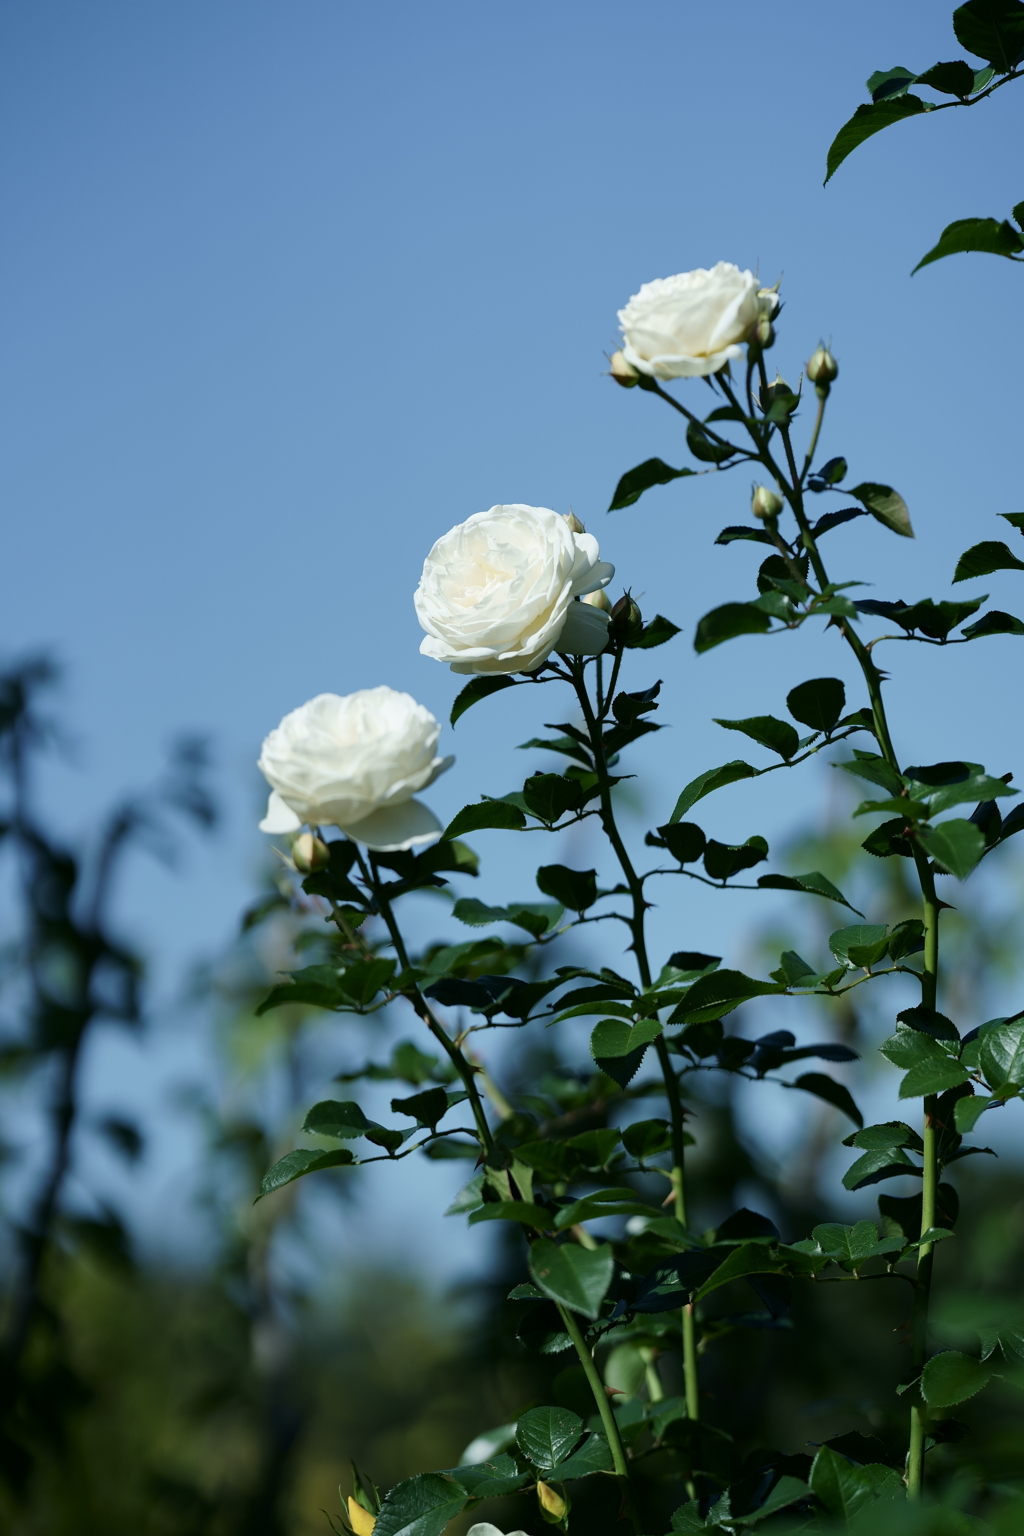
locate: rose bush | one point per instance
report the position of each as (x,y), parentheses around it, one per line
(355,763)
(692,324)
(497,592)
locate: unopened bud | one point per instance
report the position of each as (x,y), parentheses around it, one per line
(309,853)
(627,620)
(622,372)
(552,1505)
(575,526)
(822,369)
(763,335)
(360,1519)
(599,599)
(764,502)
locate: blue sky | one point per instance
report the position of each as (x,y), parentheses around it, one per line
(287,291)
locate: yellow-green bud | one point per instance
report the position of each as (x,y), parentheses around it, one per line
(575,526)
(599,599)
(763,334)
(552,1506)
(622,372)
(764,502)
(309,853)
(822,369)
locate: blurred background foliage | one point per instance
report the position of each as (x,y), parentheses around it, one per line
(229,1391)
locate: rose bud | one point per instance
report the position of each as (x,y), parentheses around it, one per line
(599,599)
(309,853)
(763,335)
(764,502)
(360,1519)
(627,620)
(553,1507)
(575,526)
(622,372)
(822,369)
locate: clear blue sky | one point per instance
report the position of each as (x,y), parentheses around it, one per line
(288,290)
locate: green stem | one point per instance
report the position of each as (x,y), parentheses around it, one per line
(929,989)
(604,1408)
(636,926)
(419,1004)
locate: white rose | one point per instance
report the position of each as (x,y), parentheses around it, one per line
(690,325)
(496,594)
(484,1528)
(355,763)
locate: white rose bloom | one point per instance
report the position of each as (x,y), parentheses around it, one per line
(497,592)
(355,763)
(483,1528)
(690,325)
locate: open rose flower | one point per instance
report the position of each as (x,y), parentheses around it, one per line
(498,592)
(355,763)
(692,324)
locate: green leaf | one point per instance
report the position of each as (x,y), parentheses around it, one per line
(814,883)
(593,1456)
(550,795)
(866,121)
(747,1259)
(952,1378)
(361,982)
(1001,1055)
(824,1087)
(992,29)
(886,506)
(295,1165)
(345,1121)
(933,1076)
(853,1245)
(613,1037)
(574,889)
(742,531)
(778,735)
(953,79)
(956,845)
(484,815)
(707,782)
(885,84)
(993,237)
(984,558)
(647,1138)
(523,1211)
(657,632)
(844,1489)
(908,1047)
(704,447)
(635,481)
(876,1138)
(684,840)
(728,621)
(818,702)
(577,1278)
(994,623)
(428,1107)
(883,1163)
(547,1435)
(718,994)
(860,945)
(786,1491)
(536,917)
(967,1112)
(489,1479)
(603,1203)
(723,860)
(420,1506)
(479,688)
(870,766)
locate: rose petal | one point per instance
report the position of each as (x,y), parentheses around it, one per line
(585,631)
(396,828)
(280,818)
